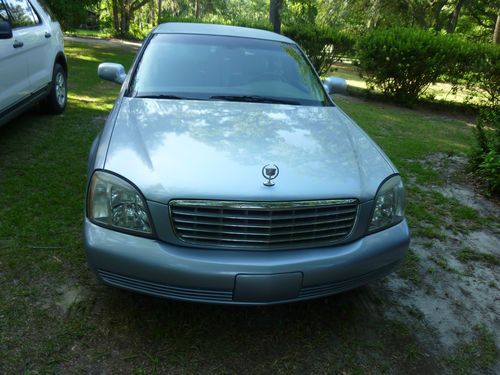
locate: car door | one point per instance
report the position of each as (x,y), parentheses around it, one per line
(14,78)
(34,34)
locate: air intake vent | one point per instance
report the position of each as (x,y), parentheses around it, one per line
(263,225)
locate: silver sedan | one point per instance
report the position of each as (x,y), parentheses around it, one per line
(226,174)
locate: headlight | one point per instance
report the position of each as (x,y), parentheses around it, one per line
(389,204)
(114,203)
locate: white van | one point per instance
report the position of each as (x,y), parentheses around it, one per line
(33,66)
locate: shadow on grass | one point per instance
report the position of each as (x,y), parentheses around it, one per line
(344,332)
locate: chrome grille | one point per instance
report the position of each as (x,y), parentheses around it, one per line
(263,225)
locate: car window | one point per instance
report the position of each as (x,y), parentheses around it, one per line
(3,12)
(208,66)
(22,13)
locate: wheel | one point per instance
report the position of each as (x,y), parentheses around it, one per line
(56,101)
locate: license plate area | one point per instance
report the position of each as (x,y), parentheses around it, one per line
(267,288)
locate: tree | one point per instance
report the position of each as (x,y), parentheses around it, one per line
(496,33)
(71,13)
(123,11)
(453,19)
(478,19)
(159,11)
(275,7)
(197,9)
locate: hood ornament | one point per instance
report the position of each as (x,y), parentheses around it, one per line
(270,172)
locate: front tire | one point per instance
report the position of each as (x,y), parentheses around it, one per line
(55,103)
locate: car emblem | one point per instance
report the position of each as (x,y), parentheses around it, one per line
(270,171)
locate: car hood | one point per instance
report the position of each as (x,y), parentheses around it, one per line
(217,149)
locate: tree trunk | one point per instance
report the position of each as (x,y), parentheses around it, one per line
(496,34)
(197,10)
(438,8)
(374,15)
(125,16)
(116,21)
(159,11)
(452,23)
(275,14)
(123,11)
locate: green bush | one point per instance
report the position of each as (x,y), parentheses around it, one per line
(403,62)
(484,72)
(487,155)
(323,45)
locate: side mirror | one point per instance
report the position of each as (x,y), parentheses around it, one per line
(5,30)
(112,72)
(335,85)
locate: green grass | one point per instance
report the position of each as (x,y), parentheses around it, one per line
(468,254)
(43,267)
(438,92)
(476,356)
(89,33)
(410,269)
(408,137)
(134,35)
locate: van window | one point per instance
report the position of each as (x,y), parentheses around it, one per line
(22,13)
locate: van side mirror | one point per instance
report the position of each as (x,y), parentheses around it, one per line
(5,30)
(335,85)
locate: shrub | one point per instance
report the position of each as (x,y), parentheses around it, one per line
(323,45)
(487,155)
(403,62)
(484,72)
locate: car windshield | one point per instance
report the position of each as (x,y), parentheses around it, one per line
(208,67)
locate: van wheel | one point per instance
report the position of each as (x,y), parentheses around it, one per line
(56,101)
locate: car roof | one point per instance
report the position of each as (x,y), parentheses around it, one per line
(223,30)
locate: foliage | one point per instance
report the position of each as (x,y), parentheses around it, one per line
(403,62)
(323,45)
(71,13)
(123,13)
(473,19)
(486,157)
(256,24)
(478,19)
(484,71)
(300,12)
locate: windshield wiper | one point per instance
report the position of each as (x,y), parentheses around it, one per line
(165,96)
(253,99)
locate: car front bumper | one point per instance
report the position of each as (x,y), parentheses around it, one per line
(241,277)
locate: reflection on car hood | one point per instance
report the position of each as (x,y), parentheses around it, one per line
(216,150)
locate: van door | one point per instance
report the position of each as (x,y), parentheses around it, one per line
(36,45)
(14,77)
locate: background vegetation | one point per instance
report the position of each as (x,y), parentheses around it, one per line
(474,20)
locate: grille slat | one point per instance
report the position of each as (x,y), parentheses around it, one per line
(263,225)
(275,240)
(246,224)
(263,233)
(268,217)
